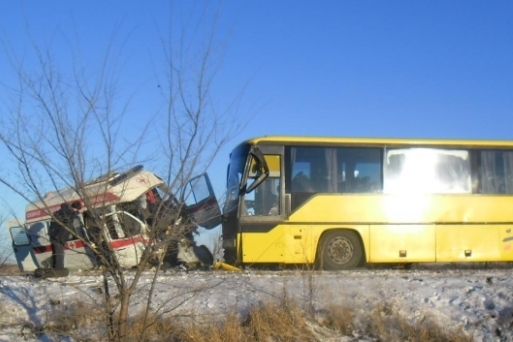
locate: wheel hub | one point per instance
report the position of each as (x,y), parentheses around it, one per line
(340,250)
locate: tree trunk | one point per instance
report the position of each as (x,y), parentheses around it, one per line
(124,302)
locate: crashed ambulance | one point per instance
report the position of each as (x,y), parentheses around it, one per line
(118,199)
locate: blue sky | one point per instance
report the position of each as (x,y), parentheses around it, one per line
(435,69)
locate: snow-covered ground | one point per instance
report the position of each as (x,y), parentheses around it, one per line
(480,301)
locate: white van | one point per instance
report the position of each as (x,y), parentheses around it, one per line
(115,196)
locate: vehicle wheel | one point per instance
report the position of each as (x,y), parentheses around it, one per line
(204,255)
(339,250)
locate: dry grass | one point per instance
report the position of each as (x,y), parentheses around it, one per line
(384,325)
(9,269)
(338,318)
(79,320)
(284,321)
(288,322)
(268,322)
(389,326)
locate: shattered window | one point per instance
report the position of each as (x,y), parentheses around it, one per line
(129,224)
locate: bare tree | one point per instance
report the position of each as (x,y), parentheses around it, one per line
(65,126)
(5,249)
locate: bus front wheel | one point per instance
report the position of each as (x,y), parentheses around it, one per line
(339,250)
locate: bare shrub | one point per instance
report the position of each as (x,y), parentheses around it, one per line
(338,318)
(385,324)
(5,252)
(278,322)
(267,322)
(79,320)
(153,328)
(81,120)
(7,269)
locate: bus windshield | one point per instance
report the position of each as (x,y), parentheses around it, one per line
(234,176)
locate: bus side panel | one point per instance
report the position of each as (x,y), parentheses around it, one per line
(506,242)
(402,243)
(456,243)
(422,227)
(298,244)
(266,247)
(302,241)
(406,209)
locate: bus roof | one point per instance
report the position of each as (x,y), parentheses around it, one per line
(116,188)
(290,140)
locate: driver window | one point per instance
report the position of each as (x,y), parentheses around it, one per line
(265,199)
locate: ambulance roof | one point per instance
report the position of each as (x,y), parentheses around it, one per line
(106,190)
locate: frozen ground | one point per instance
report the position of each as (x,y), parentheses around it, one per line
(480,301)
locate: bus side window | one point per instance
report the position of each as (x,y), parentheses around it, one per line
(428,170)
(335,170)
(496,172)
(301,183)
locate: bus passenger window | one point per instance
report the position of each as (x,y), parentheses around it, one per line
(301,183)
(496,172)
(335,170)
(428,170)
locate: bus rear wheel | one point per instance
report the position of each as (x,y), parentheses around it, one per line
(339,250)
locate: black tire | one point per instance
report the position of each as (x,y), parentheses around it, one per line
(339,250)
(204,255)
(46,273)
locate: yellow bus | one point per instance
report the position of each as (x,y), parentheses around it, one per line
(343,202)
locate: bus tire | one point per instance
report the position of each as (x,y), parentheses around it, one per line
(339,250)
(204,255)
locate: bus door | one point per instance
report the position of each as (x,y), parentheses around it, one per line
(262,210)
